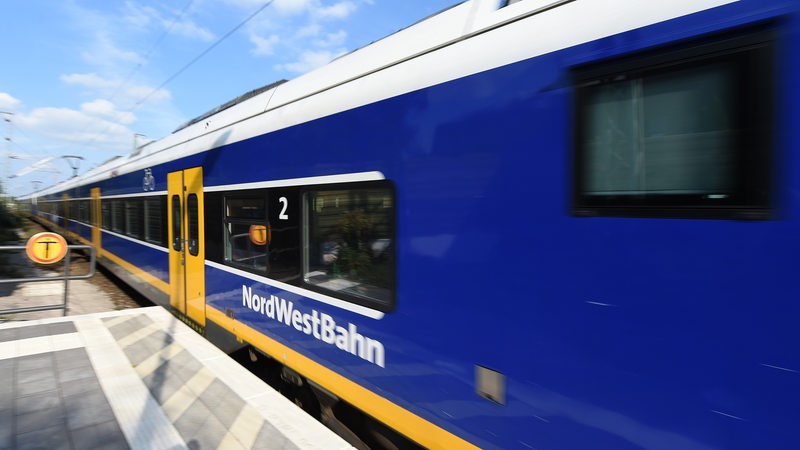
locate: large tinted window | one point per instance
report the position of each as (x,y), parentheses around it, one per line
(683,133)
(105,214)
(118,216)
(133,217)
(349,243)
(154,217)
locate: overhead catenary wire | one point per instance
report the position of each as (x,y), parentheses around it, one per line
(153,48)
(201,55)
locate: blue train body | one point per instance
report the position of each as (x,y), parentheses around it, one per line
(520,317)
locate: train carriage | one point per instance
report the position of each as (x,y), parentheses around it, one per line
(528,224)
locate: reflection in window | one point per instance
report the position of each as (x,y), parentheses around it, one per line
(247,233)
(664,134)
(349,243)
(683,139)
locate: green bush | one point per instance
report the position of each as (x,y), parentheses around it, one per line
(9,222)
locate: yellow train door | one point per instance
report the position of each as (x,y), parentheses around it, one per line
(186,243)
(96,219)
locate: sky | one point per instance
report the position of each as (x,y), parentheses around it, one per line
(93,78)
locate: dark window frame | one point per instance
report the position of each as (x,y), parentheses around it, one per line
(751,53)
(384,306)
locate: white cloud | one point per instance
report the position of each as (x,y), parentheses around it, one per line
(137,15)
(310,30)
(264,46)
(105,53)
(75,127)
(105,109)
(189,29)
(118,90)
(89,80)
(332,39)
(309,60)
(8,102)
(291,7)
(340,10)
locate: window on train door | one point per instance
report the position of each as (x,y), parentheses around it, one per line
(684,132)
(176,223)
(193,225)
(349,243)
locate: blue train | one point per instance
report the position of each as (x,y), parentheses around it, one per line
(535,224)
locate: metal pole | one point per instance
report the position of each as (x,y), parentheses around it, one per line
(4,185)
(66,279)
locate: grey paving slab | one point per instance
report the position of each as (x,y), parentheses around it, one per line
(191,421)
(6,427)
(71,358)
(80,386)
(89,408)
(211,433)
(105,435)
(271,437)
(8,335)
(54,437)
(48,400)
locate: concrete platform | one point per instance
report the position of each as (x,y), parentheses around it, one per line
(137,379)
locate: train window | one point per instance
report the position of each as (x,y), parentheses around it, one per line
(685,133)
(176,223)
(105,213)
(84,211)
(349,243)
(193,225)
(247,233)
(118,216)
(133,221)
(261,232)
(153,219)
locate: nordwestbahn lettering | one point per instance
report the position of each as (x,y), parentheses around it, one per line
(317,324)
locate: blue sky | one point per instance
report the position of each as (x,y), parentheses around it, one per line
(82,77)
